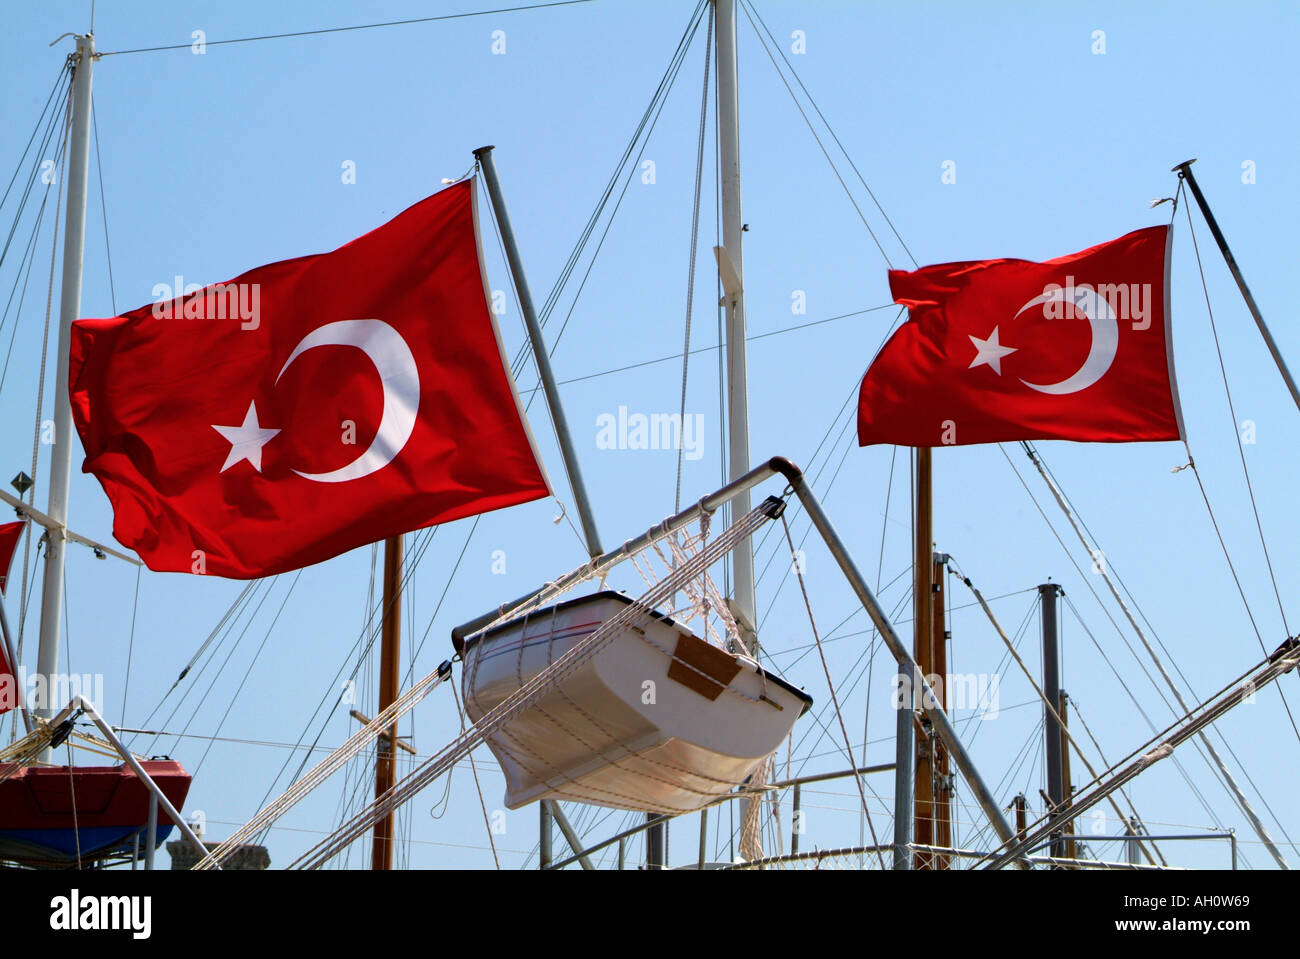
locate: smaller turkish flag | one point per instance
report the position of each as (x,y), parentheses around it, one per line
(1076,348)
(307,407)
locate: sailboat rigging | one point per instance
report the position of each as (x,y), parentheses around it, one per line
(676,697)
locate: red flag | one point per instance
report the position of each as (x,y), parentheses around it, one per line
(307,407)
(10,534)
(1076,348)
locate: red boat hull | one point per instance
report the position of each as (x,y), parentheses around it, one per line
(57,815)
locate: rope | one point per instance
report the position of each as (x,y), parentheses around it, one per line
(103,207)
(1240,796)
(1241,453)
(749,7)
(130,648)
(360,26)
(813,131)
(1047,703)
(72,788)
(848,746)
(695,240)
(1193,723)
(1137,820)
(477,785)
(358,741)
(1087,582)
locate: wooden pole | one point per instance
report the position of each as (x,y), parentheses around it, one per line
(389,681)
(923,652)
(941,810)
(1071,846)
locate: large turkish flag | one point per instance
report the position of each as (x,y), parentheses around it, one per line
(307,407)
(1076,348)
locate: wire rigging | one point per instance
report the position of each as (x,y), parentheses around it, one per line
(359,26)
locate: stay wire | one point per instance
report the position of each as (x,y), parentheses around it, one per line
(695,241)
(1119,632)
(831,130)
(360,26)
(826,153)
(1223,370)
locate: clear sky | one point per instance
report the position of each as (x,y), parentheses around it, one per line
(1057,136)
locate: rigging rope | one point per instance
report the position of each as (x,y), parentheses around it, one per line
(1193,723)
(1244,468)
(487,822)
(326,767)
(1231,782)
(1047,703)
(360,26)
(830,683)
(695,240)
(813,131)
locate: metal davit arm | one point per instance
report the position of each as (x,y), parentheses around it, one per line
(780,466)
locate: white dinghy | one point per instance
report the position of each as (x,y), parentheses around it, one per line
(658,720)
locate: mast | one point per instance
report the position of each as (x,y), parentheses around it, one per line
(572,469)
(74,235)
(731,267)
(1184,171)
(1047,595)
(922,651)
(389,682)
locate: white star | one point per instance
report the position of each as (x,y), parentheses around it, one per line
(246,440)
(990,352)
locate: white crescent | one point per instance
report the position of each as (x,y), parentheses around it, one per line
(1105,339)
(395,364)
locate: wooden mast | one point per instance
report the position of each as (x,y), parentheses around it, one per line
(389,681)
(922,651)
(941,816)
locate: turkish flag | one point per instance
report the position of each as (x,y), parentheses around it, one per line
(1076,348)
(307,407)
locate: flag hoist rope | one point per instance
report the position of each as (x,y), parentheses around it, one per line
(1231,782)
(533,690)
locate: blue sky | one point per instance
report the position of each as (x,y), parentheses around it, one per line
(217,163)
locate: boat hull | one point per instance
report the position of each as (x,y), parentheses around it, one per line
(55,816)
(657,721)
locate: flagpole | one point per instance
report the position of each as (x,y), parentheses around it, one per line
(540,355)
(386,744)
(551,391)
(1184,171)
(47,657)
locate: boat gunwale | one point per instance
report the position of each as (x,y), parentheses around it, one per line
(462,647)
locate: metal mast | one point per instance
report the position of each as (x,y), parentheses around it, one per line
(731,268)
(731,264)
(1047,596)
(74,235)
